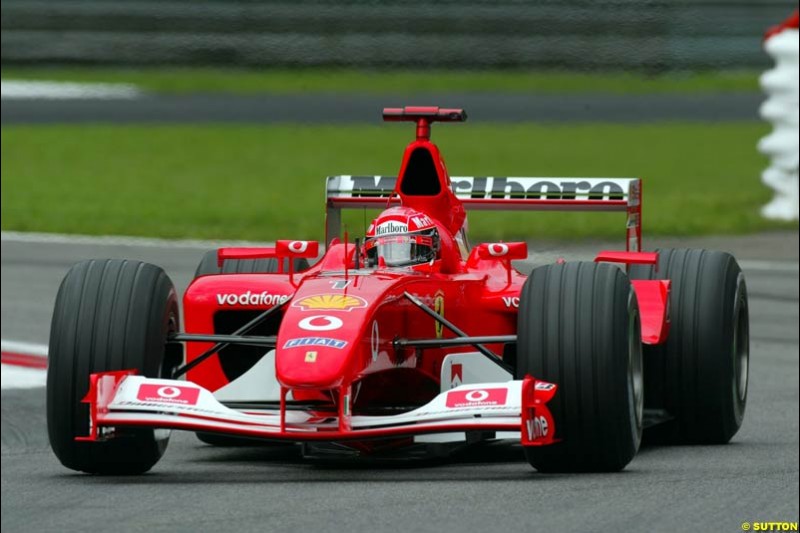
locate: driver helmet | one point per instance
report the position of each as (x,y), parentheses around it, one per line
(401,236)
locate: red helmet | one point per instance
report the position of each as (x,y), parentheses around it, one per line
(401,236)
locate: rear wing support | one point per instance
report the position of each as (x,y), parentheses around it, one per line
(498,194)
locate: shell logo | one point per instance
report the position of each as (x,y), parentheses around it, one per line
(330,302)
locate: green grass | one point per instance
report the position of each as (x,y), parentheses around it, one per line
(183,80)
(251,182)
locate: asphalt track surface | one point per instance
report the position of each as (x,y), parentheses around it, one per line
(196,487)
(361,108)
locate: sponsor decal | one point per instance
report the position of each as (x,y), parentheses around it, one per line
(635,193)
(372,185)
(168,394)
(390,228)
(497,249)
(320,323)
(341,284)
(476,398)
(456,375)
(438,306)
(539,189)
(543,385)
(311,357)
(327,342)
(537,427)
(504,187)
(298,247)
(511,301)
(422,221)
(375,341)
(251,298)
(330,302)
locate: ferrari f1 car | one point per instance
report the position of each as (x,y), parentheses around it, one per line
(407,339)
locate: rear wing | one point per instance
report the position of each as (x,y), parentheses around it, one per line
(499,194)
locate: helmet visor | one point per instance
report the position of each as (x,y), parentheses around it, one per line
(401,250)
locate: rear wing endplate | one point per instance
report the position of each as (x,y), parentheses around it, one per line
(499,194)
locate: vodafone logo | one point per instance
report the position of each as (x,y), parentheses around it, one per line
(498,249)
(298,247)
(477,395)
(537,428)
(320,323)
(476,398)
(168,394)
(252,298)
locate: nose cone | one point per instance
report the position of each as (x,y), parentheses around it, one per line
(314,361)
(319,342)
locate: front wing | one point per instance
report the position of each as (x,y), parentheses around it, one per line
(123,399)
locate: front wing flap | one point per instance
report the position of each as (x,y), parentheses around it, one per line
(124,399)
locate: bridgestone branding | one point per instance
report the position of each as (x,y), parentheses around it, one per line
(252,298)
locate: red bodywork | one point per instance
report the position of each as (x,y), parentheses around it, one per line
(335,337)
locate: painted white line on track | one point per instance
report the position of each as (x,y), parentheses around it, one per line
(15,376)
(121,240)
(65,90)
(20,377)
(23,347)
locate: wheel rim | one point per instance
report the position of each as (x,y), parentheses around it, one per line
(741,345)
(161,436)
(635,371)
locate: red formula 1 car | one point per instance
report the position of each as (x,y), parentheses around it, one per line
(408,339)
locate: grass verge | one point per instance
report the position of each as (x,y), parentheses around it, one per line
(253,182)
(187,80)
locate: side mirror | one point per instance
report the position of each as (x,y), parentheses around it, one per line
(282,249)
(503,250)
(307,249)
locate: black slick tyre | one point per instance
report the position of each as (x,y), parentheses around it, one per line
(109,315)
(579,328)
(699,376)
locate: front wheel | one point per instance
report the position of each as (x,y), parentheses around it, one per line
(109,315)
(579,328)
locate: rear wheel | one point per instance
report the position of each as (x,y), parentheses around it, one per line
(209,266)
(109,315)
(700,374)
(579,328)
